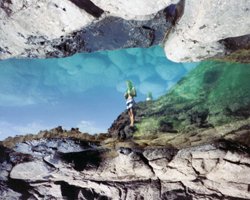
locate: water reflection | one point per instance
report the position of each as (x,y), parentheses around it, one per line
(85,90)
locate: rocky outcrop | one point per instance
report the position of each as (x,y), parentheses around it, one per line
(204,25)
(211,102)
(56,28)
(70,169)
(53,28)
(57,132)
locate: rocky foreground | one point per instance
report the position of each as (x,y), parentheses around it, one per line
(67,168)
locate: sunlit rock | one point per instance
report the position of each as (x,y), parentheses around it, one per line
(101,172)
(198,33)
(137,9)
(62,28)
(30,171)
(25,23)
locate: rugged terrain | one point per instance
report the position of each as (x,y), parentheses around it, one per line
(189,30)
(192,143)
(211,102)
(69,168)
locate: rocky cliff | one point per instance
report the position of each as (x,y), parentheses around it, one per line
(57,168)
(190,30)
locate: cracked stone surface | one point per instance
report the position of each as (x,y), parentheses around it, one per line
(190,30)
(211,171)
(198,33)
(58,28)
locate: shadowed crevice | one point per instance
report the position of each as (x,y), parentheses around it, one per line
(97,36)
(174,12)
(89,7)
(24,190)
(73,192)
(236,43)
(237,48)
(5,5)
(88,159)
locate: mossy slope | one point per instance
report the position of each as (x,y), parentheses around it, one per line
(212,96)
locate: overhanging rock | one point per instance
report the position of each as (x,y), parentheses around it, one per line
(58,28)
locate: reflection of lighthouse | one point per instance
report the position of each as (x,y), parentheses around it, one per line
(149,97)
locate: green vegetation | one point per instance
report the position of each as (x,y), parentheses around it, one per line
(213,95)
(147,127)
(130,89)
(211,102)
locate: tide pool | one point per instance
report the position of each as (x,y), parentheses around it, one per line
(85,90)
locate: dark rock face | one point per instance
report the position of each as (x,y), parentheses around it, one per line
(59,36)
(5,4)
(237,48)
(55,171)
(74,192)
(236,43)
(97,36)
(89,7)
(119,125)
(174,12)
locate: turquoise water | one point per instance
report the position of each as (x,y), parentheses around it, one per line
(85,90)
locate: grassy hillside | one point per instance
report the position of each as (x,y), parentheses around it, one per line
(213,98)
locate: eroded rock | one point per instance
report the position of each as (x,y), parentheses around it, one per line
(30,171)
(61,28)
(211,171)
(203,25)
